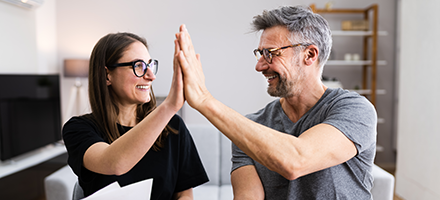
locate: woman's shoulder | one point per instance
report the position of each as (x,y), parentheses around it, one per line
(81,121)
(176,122)
(179,125)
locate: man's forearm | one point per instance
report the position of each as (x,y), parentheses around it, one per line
(263,144)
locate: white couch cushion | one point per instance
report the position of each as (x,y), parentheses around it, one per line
(383,185)
(207,140)
(59,185)
(226,192)
(206,192)
(225,160)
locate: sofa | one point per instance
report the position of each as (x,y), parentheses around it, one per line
(215,151)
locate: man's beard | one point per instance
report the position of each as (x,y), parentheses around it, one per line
(286,88)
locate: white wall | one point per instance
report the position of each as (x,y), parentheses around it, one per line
(28,39)
(220,32)
(418,160)
(45,33)
(17,34)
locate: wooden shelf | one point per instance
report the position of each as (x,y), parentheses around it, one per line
(30,159)
(357,33)
(353,63)
(368,91)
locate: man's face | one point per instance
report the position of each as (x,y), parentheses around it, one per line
(284,74)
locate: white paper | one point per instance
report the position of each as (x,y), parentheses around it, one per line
(135,191)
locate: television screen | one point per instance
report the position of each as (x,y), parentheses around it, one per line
(30,113)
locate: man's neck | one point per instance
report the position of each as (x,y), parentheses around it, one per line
(298,105)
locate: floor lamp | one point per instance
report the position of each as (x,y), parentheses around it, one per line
(77,68)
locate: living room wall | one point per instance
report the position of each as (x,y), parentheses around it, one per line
(18,38)
(28,39)
(418,162)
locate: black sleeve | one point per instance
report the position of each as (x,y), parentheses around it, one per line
(79,134)
(191,170)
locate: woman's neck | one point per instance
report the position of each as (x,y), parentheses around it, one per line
(127,115)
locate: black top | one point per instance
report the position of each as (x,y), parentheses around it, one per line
(175,168)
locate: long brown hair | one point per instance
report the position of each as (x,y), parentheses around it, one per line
(108,51)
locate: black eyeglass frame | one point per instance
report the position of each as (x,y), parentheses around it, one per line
(267,53)
(151,63)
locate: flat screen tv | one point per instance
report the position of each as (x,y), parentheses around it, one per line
(30,113)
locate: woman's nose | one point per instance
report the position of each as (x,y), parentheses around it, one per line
(149,74)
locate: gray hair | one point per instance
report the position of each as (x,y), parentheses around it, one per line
(304,26)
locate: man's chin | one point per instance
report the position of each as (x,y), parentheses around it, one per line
(273,92)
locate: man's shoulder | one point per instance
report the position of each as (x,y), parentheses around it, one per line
(341,96)
(339,92)
(266,110)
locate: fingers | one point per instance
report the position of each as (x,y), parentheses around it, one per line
(185,42)
(177,67)
(183,61)
(176,51)
(176,47)
(176,96)
(183,28)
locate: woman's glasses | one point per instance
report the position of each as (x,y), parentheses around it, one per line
(140,67)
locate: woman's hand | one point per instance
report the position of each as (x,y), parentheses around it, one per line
(195,90)
(176,97)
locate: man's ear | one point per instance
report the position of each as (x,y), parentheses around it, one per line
(107,76)
(311,53)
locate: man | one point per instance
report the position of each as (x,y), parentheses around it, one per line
(313,142)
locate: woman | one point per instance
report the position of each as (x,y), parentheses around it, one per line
(127,138)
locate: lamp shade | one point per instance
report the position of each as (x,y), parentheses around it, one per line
(76,68)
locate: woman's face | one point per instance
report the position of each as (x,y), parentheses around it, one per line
(129,88)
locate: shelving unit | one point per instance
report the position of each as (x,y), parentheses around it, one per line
(353,63)
(369,55)
(30,159)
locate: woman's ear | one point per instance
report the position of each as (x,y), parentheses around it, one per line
(312,53)
(107,76)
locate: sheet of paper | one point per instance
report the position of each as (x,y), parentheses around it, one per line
(108,188)
(136,191)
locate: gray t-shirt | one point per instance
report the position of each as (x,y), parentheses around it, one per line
(349,112)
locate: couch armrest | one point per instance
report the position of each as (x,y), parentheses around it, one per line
(383,184)
(204,192)
(59,185)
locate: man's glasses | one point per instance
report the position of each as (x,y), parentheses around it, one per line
(140,67)
(269,53)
